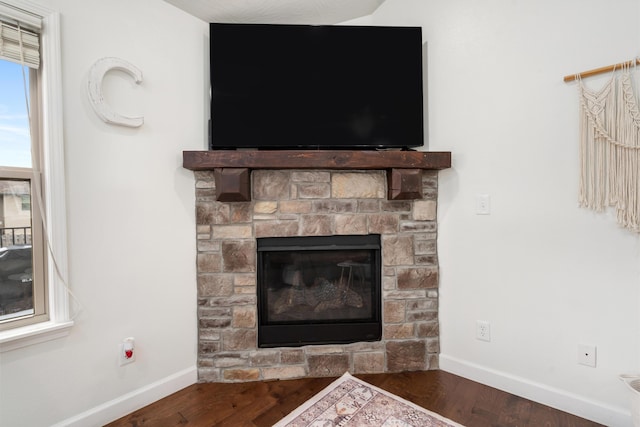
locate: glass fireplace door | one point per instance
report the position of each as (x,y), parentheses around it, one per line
(319,290)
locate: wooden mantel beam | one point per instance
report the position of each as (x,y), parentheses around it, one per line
(322,159)
(232,168)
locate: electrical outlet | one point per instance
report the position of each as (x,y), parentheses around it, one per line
(483,330)
(127,351)
(587,355)
(483,204)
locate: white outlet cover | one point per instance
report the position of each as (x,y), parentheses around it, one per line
(483,330)
(483,204)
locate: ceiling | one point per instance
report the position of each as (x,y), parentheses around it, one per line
(278,11)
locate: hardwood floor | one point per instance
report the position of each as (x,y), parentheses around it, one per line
(264,403)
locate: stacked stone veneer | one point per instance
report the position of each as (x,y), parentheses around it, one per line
(302,203)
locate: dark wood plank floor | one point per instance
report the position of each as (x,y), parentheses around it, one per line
(265,403)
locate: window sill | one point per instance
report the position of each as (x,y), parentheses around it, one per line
(33,334)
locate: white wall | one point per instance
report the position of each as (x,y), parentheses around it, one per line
(131,218)
(546,274)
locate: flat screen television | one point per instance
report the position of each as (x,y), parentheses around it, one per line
(315,87)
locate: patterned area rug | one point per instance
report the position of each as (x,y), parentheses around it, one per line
(350,402)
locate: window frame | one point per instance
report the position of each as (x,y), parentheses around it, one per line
(38,251)
(50,136)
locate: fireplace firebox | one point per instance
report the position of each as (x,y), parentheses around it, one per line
(319,290)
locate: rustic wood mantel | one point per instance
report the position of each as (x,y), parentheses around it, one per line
(232,167)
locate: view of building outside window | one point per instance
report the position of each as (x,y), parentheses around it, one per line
(16,261)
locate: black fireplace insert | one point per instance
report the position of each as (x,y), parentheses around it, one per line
(319,290)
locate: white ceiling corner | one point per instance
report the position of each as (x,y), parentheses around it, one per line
(317,12)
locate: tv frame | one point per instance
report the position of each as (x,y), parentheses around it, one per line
(316,135)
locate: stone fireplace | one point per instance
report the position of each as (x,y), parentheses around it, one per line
(328,200)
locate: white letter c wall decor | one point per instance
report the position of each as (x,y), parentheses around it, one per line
(100,106)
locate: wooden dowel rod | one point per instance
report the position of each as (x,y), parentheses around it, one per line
(601,70)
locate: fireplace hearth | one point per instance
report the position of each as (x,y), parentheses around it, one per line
(336,199)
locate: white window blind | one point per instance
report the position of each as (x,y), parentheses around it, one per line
(19,38)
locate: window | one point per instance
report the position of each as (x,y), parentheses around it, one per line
(33,294)
(25,202)
(23,295)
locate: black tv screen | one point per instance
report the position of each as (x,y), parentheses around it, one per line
(315,86)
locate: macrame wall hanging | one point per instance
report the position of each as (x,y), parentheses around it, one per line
(610,146)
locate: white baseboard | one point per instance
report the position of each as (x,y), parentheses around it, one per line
(555,398)
(127,403)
